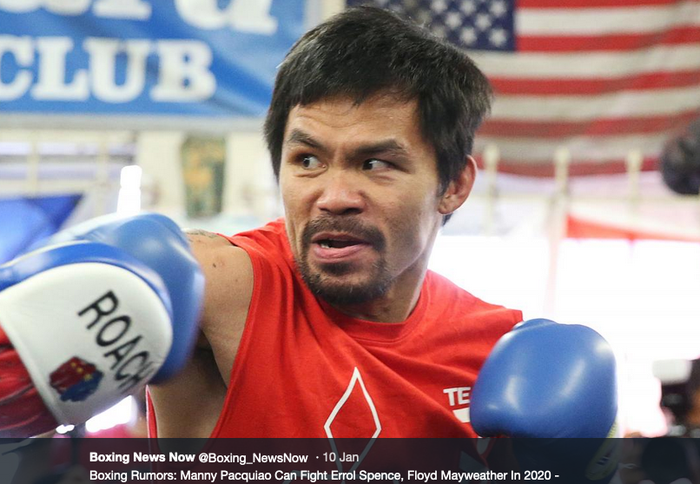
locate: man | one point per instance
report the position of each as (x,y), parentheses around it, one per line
(370,162)
(328,323)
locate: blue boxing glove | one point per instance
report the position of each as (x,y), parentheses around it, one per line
(550,381)
(92,317)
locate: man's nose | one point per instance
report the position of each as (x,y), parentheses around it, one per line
(341,194)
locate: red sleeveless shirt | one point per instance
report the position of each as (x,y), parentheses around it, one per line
(304,369)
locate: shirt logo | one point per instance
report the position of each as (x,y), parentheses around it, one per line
(360,404)
(75,380)
(459,398)
(354,416)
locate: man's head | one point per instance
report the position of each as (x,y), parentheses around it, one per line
(364,51)
(370,129)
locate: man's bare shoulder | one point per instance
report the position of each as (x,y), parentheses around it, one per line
(212,250)
(205,238)
(228,272)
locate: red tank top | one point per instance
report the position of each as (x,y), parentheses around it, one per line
(304,369)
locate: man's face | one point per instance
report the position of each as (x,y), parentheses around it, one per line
(361,195)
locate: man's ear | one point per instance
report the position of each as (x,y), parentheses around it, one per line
(459,189)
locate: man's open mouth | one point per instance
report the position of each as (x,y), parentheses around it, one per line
(337,246)
(336,241)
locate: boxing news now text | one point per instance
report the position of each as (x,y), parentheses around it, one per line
(203,457)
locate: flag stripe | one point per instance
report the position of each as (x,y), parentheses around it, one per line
(614,42)
(606,21)
(589,167)
(576,4)
(590,108)
(610,65)
(581,148)
(600,227)
(598,128)
(558,87)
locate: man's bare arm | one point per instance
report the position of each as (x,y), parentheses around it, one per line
(189,404)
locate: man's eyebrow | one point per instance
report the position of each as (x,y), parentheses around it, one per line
(389,146)
(297,136)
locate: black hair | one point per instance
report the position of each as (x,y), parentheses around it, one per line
(365,51)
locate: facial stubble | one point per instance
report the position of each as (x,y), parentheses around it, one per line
(326,281)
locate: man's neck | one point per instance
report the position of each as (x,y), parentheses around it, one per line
(395,306)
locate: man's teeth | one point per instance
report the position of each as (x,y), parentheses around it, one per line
(335,244)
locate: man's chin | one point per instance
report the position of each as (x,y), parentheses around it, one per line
(345,295)
(347,282)
(337,270)
(343,289)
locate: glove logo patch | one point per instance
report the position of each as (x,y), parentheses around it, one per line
(75,380)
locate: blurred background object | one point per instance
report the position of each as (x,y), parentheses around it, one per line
(680,395)
(203,161)
(680,161)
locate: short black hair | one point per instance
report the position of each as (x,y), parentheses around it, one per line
(365,51)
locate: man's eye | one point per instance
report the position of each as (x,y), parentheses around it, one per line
(310,162)
(374,164)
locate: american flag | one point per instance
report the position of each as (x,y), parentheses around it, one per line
(599,77)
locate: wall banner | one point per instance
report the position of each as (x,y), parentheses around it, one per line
(159,58)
